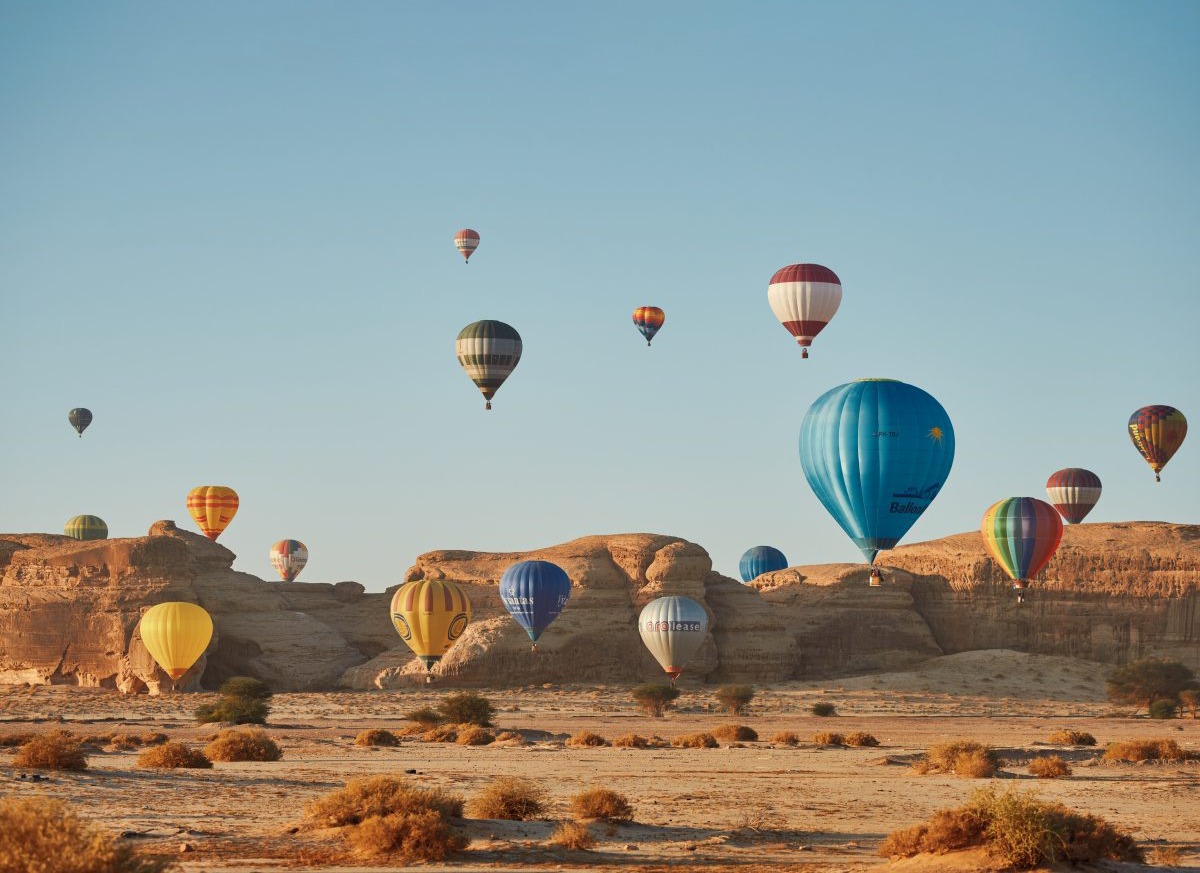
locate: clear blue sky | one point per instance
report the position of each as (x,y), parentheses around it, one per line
(227,229)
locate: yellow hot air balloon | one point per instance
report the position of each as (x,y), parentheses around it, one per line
(430,615)
(176,635)
(212,507)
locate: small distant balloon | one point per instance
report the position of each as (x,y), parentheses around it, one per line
(87,527)
(648,320)
(489,351)
(1021,534)
(212,507)
(176,634)
(429,615)
(759,560)
(288,557)
(673,629)
(80,418)
(804,297)
(534,593)
(1157,433)
(1073,492)
(466,241)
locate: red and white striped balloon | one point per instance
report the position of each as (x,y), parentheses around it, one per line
(466,241)
(1073,491)
(804,297)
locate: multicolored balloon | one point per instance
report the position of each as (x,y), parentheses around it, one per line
(489,351)
(86,527)
(466,241)
(176,634)
(876,452)
(212,507)
(804,297)
(1157,433)
(1021,534)
(1073,491)
(648,320)
(80,418)
(759,560)
(673,629)
(289,557)
(429,615)
(534,593)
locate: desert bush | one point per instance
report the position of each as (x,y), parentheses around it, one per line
(1071,738)
(601,804)
(824,710)
(695,741)
(410,836)
(732,733)
(41,835)
(757,818)
(245,688)
(734,698)
(1049,767)
(964,758)
(57,750)
(1189,699)
(467,707)
(425,716)
(11,741)
(829,738)
(247,745)
(442,733)
(377,797)
(572,835)
(153,738)
(1144,750)
(587,738)
(1163,708)
(860,738)
(1141,682)
(654,699)
(376,737)
(505,736)
(1166,856)
(637,741)
(787,738)
(233,709)
(170,756)
(474,735)
(510,798)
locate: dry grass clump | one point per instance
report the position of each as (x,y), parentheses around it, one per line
(735,733)
(243,745)
(964,758)
(473,735)
(378,797)
(376,737)
(860,739)
(1145,750)
(171,756)
(467,707)
(572,835)
(11,741)
(1071,738)
(410,836)
(587,738)
(759,818)
(123,742)
(426,717)
(637,741)
(601,804)
(510,736)
(829,738)
(41,835)
(57,750)
(695,741)
(442,733)
(1020,829)
(1049,767)
(823,710)
(786,738)
(510,798)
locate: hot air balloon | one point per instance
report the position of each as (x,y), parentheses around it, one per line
(176,635)
(1022,535)
(466,241)
(87,527)
(1157,432)
(80,418)
(430,615)
(534,593)
(1073,491)
(212,507)
(489,351)
(804,297)
(876,452)
(648,320)
(289,558)
(759,560)
(673,629)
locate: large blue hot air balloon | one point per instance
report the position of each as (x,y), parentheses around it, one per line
(759,560)
(876,452)
(534,593)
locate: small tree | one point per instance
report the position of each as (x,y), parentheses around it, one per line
(1150,679)
(243,700)
(467,707)
(1189,698)
(654,699)
(734,698)
(1163,708)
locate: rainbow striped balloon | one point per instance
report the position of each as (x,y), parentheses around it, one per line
(1021,534)
(1157,433)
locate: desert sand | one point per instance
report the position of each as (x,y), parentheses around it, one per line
(811,808)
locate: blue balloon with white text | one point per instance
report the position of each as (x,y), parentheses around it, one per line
(534,593)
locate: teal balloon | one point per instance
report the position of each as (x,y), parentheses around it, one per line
(876,452)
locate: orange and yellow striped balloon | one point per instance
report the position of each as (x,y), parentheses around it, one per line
(430,615)
(212,507)
(176,634)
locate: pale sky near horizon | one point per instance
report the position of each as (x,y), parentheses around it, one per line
(226,228)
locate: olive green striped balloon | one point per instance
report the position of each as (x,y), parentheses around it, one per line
(87,527)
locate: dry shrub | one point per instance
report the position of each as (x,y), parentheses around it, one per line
(41,835)
(510,798)
(426,717)
(442,733)
(823,710)
(859,738)
(1166,856)
(243,745)
(170,756)
(409,836)
(695,741)
(735,733)
(637,741)
(965,758)
(759,818)
(1144,750)
(787,738)
(572,835)
(376,737)
(1071,738)
(601,804)
(467,707)
(11,741)
(153,738)
(57,750)
(829,738)
(587,738)
(379,797)
(1049,767)
(510,737)
(473,735)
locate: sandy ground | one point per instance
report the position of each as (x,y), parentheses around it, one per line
(813,808)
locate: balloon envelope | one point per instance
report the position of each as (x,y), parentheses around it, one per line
(288,557)
(1073,492)
(673,629)
(759,560)
(489,351)
(1022,535)
(648,320)
(804,297)
(1157,433)
(466,241)
(534,593)
(80,418)
(876,452)
(176,635)
(429,615)
(87,527)
(212,507)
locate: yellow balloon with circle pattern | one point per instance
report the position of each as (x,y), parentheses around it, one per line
(429,615)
